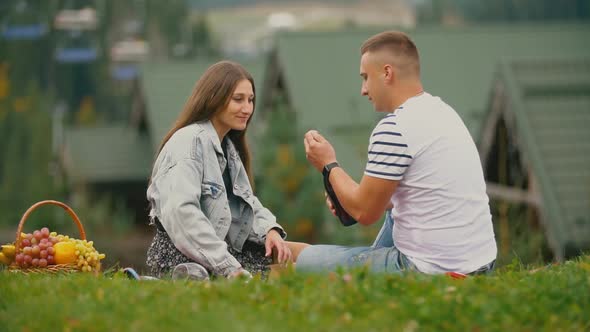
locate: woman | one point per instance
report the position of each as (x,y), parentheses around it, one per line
(200,189)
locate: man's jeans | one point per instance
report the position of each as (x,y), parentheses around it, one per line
(382,256)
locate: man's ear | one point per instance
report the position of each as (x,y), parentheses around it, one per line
(388,72)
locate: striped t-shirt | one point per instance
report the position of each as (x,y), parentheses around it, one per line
(388,150)
(442,219)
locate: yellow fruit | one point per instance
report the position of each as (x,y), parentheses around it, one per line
(9,250)
(4,260)
(65,253)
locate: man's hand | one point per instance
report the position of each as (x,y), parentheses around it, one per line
(318,150)
(330,205)
(274,240)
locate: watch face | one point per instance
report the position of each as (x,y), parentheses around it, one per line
(329,167)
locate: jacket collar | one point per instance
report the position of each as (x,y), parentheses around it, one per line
(210,130)
(212,133)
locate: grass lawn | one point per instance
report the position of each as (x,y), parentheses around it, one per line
(514,298)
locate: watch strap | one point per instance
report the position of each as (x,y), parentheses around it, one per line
(328,168)
(342,215)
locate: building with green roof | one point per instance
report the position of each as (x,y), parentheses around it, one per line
(317,73)
(125,151)
(117,158)
(166,87)
(108,154)
(535,145)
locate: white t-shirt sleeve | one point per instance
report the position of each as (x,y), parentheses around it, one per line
(389,156)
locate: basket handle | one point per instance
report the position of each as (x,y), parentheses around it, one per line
(48,202)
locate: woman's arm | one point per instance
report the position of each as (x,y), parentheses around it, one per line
(264,221)
(266,230)
(186,224)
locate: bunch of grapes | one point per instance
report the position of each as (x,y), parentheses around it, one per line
(40,249)
(88,257)
(37,249)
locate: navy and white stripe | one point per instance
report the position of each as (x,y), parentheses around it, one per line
(388,155)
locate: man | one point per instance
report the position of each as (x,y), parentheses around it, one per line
(423,168)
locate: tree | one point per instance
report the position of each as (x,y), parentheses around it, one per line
(25,158)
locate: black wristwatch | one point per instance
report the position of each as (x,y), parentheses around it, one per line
(328,168)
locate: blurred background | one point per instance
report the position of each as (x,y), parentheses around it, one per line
(88,88)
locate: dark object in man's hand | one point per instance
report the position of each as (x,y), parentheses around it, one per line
(344,217)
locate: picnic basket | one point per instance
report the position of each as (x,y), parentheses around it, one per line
(56,268)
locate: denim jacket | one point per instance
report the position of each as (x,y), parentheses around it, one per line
(188,196)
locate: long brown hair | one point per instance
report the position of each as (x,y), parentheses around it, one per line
(211,94)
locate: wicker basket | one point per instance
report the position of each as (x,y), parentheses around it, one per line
(57,268)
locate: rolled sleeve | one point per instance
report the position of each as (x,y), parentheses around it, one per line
(186,224)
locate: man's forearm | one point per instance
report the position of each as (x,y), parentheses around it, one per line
(365,201)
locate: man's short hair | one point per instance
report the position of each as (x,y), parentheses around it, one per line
(397,44)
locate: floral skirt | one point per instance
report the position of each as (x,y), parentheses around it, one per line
(163,256)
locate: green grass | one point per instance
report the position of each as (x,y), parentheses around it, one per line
(552,299)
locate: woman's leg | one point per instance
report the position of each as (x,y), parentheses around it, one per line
(296,248)
(252,258)
(162,255)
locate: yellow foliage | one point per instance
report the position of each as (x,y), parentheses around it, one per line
(21,104)
(285,155)
(304,227)
(4,81)
(87,113)
(290,185)
(294,179)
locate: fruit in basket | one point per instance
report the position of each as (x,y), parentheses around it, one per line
(33,248)
(7,254)
(65,252)
(4,259)
(88,257)
(43,248)
(9,250)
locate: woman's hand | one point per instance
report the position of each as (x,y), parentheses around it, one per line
(274,240)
